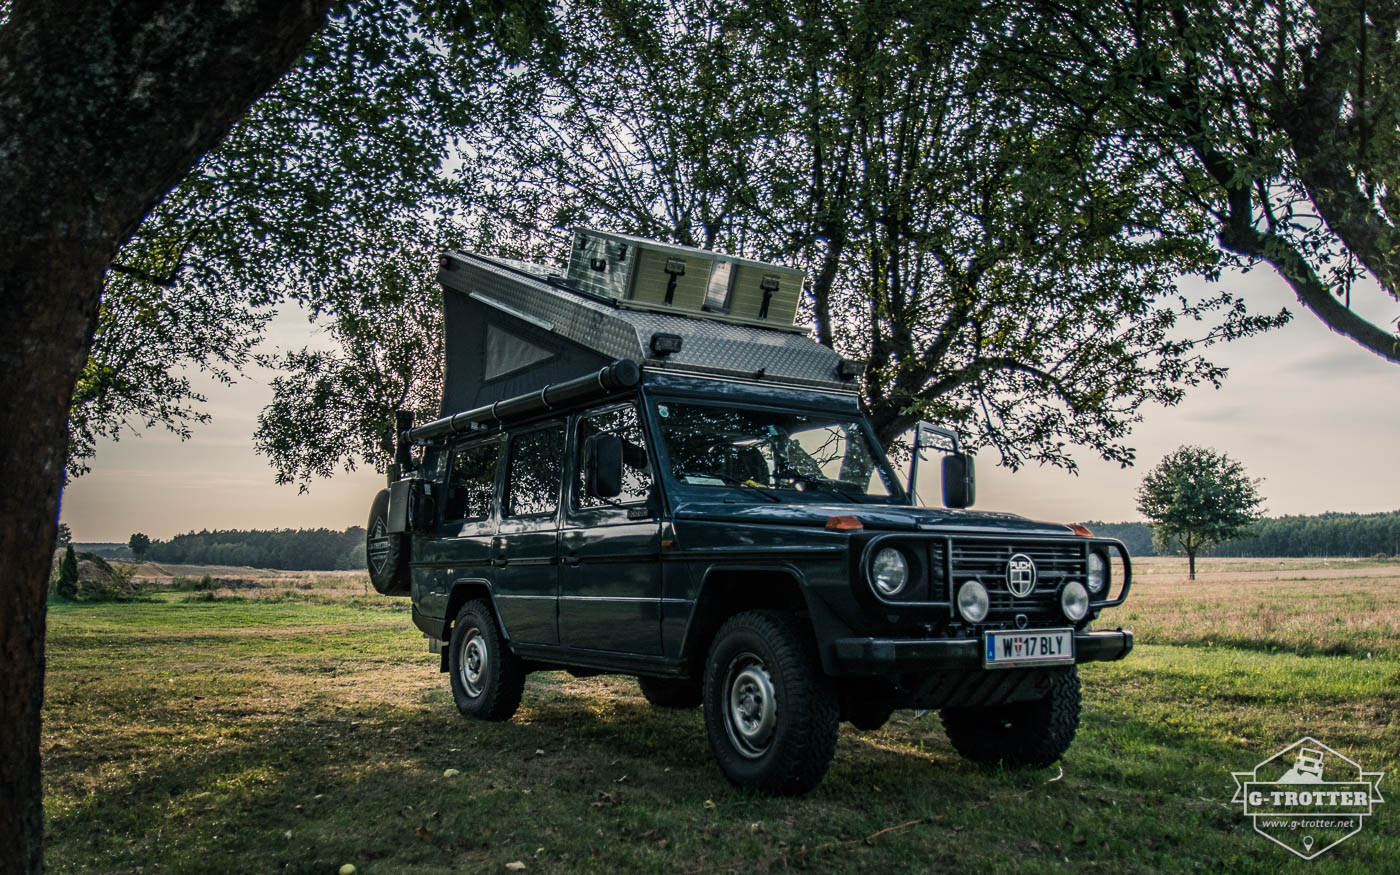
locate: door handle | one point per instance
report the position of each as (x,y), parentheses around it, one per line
(572,558)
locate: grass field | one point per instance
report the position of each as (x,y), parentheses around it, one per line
(296,724)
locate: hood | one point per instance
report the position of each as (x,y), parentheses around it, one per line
(872,516)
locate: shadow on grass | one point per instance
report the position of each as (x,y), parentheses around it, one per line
(587,777)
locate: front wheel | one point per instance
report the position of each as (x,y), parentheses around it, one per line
(487,679)
(771,716)
(1034,733)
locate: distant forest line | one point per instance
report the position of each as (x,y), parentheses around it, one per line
(282,549)
(1328,534)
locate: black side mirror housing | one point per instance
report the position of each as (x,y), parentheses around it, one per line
(959,481)
(602,465)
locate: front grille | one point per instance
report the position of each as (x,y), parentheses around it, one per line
(986,560)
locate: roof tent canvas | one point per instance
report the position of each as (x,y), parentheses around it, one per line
(493,355)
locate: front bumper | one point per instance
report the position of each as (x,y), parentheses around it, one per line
(885,655)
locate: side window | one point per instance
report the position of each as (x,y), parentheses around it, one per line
(472,483)
(532,484)
(636,471)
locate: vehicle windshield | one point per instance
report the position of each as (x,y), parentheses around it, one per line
(768,450)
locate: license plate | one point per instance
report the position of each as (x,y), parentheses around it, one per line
(1027,647)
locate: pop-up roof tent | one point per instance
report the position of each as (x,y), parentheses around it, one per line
(513,328)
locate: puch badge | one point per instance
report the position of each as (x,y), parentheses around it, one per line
(1020,575)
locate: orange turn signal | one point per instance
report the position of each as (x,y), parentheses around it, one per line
(1080,530)
(844,523)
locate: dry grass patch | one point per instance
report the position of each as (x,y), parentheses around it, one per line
(1305,606)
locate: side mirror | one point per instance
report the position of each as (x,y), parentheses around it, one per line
(959,481)
(602,465)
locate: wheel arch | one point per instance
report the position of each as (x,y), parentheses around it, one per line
(462,592)
(726,590)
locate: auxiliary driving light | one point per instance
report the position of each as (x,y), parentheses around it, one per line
(1098,572)
(973,603)
(890,571)
(1074,601)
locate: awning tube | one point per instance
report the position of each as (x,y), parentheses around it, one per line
(616,377)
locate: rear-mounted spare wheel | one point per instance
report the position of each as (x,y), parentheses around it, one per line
(385,553)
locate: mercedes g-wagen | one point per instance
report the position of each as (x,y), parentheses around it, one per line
(642,467)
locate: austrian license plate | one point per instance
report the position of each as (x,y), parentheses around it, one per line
(1027,647)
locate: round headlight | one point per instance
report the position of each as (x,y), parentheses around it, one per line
(1098,572)
(1074,601)
(889,571)
(973,603)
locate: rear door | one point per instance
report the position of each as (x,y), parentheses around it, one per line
(610,576)
(460,547)
(525,550)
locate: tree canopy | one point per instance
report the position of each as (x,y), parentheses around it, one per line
(993,203)
(1274,123)
(997,268)
(935,169)
(139,543)
(1197,498)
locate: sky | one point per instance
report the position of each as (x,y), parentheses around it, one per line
(1309,411)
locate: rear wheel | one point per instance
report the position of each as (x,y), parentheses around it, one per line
(487,679)
(771,716)
(385,553)
(1034,733)
(671,692)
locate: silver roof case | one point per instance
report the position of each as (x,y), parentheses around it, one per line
(513,327)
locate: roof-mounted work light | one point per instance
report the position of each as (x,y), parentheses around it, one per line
(849,369)
(663,344)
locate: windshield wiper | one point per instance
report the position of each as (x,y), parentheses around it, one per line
(749,484)
(821,484)
(849,496)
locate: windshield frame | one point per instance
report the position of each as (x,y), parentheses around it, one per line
(898,495)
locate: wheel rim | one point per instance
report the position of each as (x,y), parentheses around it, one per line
(473,662)
(379,546)
(751,714)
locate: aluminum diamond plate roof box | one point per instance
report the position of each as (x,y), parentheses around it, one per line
(514,328)
(644,274)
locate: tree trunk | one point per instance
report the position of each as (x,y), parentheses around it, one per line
(103,108)
(1191,564)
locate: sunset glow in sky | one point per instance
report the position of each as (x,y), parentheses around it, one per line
(1309,411)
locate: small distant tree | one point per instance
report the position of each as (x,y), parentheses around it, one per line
(1197,498)
(65,535)
(68,575)
(139,544)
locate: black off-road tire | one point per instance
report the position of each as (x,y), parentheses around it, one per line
(796,742)
(487,679)
(671,692)
(386,554)
(1019,734)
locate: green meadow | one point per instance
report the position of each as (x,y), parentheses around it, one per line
(299,725)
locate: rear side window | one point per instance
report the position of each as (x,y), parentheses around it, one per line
(532,484)
(636,471)
(472,485)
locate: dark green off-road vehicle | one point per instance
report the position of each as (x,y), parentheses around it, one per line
(643,468)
